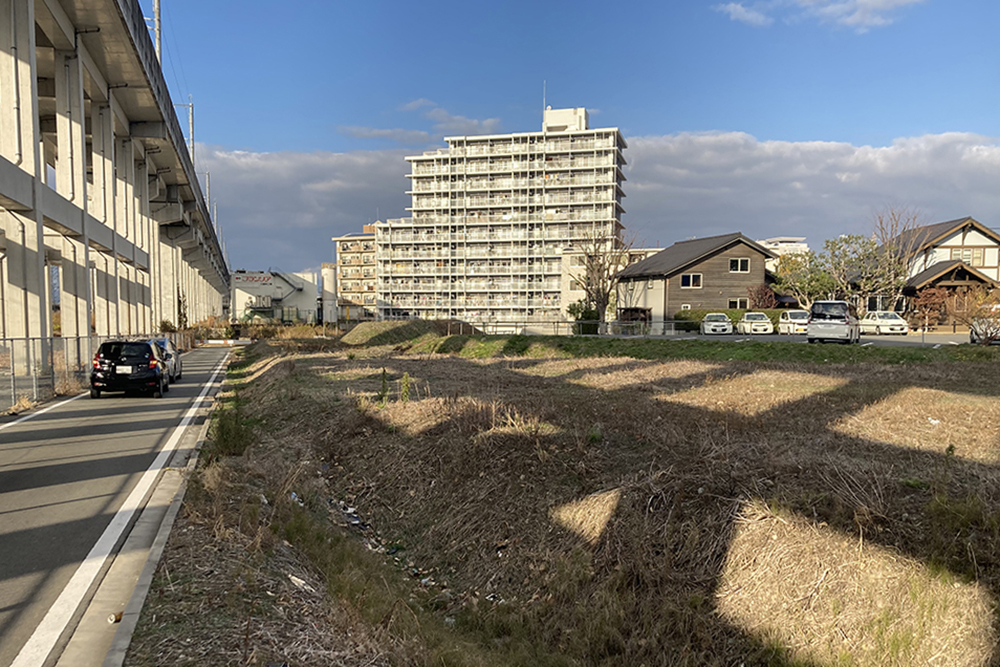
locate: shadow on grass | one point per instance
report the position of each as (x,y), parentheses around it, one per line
(647,590)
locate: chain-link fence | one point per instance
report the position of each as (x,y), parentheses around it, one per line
(36,369)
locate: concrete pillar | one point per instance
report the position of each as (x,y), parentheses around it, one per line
(71,182)
(26,304)
(19,109)
(144,296)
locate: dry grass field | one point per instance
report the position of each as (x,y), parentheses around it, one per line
(596,511)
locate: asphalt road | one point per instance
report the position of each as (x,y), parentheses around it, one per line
(64,475)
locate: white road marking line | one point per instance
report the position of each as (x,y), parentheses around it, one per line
(41,412)
(42,641)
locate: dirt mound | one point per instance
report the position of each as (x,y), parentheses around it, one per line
(395,332)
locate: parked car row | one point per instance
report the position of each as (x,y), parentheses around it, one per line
(825,320)
(149,366)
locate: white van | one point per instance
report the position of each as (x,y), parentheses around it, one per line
(833,320)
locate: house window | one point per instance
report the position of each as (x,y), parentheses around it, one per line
(736,304)
(690,281)
(971,256)
(739,265)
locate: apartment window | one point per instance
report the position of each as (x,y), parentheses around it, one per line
(739,265)
(736,304)
(690,281)
(971,256)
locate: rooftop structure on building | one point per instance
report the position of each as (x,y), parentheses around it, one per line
(783,245)
(493,217)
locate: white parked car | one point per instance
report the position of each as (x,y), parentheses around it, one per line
(754,323)
(884,322)
(716,323)
(793,322)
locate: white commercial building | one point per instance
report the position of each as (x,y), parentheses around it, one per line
(275,296)
(492,217)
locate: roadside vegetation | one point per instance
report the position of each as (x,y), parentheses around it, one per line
(417,498)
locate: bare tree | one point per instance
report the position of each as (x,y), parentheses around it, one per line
(761,296)
(979,309)
(604,255)
(896,230)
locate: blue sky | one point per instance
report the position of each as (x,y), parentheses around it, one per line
(769,117)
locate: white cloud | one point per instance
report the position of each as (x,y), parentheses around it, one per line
(447,124)
(398,135)
(737,12)
(861,15)
(858,14)
(417,104)
(715,183)
(444,124)
(280,209)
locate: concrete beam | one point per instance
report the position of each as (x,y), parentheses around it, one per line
(52,19)
(46,88)
(149,130)
(16,186)
(166,214)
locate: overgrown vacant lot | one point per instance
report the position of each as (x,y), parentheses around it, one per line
(589,511)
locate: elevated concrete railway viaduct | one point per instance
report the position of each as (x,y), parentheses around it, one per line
(96,178)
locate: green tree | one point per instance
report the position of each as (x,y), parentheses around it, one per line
(802,276)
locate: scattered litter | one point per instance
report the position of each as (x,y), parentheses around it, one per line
(934,422)
(295,498)
(301,584)
(493,597)
(449,621)
(936,347)
(263,500)
(427,581)
(115,618)
(869,344)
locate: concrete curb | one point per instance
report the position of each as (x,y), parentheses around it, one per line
(130,616)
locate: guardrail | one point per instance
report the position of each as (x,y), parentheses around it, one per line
(37,369)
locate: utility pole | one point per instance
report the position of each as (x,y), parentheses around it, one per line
(156,30)
(190,108)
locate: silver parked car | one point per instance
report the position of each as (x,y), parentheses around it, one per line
(172,357)
(833,320)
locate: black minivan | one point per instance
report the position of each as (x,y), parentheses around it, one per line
(122,365)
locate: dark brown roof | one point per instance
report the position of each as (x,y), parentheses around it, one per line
(935,271)
(915,240)
(685,253)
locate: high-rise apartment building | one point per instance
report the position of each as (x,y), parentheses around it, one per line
(356,274)
(493,219)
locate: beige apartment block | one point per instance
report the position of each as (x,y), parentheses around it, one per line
(493,218)
(356,268)
(575,271)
